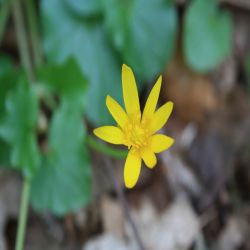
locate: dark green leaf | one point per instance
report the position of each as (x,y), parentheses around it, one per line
(62,184)
(65,36)
(18,128)
(67,80)
(7,82)
(144,32)
(6,64)
(84,8)
(4,154)
(207,35)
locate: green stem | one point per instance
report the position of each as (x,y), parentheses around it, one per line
(104,149)
(26,63)
(23,215)
(4,14)
(34,34)
(22,39)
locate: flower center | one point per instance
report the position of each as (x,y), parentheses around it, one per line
(136,135)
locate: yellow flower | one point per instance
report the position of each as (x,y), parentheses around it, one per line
(136,130)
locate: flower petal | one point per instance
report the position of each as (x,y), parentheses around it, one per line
(116,111)
(161,116)
(110,134)
(130,93)
(159,143)
(132,169)
(152,99)
(148,157)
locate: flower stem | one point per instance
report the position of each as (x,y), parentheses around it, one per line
(23,215)
(104,149)
(33,29)
(22,39)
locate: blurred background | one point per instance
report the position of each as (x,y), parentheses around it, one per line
(58,61)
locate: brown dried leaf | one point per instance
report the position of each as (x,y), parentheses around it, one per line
(193,95)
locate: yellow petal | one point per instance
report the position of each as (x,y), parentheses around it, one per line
(148,157)
(152,100)
(130,93)
(132,169)
(110,134)
(159,143)
(116,111)
(161,116)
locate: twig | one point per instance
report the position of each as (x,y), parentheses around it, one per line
(125,205)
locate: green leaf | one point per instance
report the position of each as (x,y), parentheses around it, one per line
(62,184)
(144,32)
(18,128)
(8,80)
(66,35)
(207,35)
(6,64)
(84,8)
(4,154)
(67,80)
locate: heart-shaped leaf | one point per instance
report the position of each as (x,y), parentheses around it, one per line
(62,184)
(207,35)
(6,64)
(66,80)
(84,8)
(8,80)
(144,31)
(4,154)
(67,35)
(18,128)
